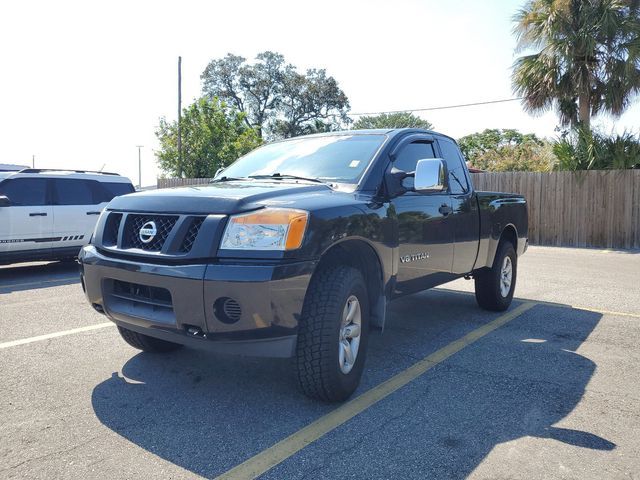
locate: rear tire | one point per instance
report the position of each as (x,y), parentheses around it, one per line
(147,343)
(495,285)
(333,334)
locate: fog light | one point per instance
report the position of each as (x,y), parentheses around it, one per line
(227,310)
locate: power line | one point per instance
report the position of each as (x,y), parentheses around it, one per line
(441,107)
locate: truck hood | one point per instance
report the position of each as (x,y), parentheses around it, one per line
(220,198)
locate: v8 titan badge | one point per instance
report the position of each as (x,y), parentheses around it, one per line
(414,257)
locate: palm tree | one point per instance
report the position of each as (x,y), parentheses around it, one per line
(588,58)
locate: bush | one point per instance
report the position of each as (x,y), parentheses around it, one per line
(585,149)
(507,150)
(528,157)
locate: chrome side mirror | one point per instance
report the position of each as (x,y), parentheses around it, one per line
(4,201)
(429,175)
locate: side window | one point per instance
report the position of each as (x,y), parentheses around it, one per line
(451,155)
(72,191)
(25,191)
(408,157)
(410,154)
(114,189)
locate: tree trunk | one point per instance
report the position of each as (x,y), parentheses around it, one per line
(584,110)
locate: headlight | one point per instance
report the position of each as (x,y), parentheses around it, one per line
(268,229)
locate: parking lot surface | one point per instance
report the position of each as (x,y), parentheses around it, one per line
(549,389)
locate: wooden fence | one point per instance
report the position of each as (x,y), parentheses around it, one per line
(581,209)
(181,182)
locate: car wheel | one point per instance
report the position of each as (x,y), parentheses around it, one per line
(147,343)
(333,334)
(495,285)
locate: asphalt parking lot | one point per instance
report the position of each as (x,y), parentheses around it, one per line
(551,389)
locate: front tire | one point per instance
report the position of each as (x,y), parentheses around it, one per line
(333,334)
(147,343)
(495,285)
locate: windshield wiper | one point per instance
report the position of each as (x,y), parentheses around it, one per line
(227,179)
(280,176)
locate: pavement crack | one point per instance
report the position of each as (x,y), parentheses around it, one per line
(50,454)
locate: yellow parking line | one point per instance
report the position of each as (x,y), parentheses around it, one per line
(54,280)
(589,309)
(282,450)
(554,304)
(23,341)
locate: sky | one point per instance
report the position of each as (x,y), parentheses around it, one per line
(83,83)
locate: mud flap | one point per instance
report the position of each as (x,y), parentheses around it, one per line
(379,312)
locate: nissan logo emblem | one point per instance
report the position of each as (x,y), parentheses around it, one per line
(148,232)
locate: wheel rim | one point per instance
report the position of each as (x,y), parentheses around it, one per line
(506,277)
(350,329)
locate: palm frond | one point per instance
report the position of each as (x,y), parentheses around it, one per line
(582,49)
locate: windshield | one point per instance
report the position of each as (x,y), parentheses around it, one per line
(336,158)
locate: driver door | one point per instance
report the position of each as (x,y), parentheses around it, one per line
(27,223)
(425,234)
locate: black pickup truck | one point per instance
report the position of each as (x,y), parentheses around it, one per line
(296,248)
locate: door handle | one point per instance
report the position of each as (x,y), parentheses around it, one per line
(38,214)
(93,213)
(445,209)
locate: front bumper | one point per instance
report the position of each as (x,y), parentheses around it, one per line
(186,303)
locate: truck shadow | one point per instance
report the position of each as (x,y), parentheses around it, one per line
(208,413)
(33,276)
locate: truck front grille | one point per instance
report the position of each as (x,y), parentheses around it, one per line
(163,225)
(111,228)
(175,235)
(192,233)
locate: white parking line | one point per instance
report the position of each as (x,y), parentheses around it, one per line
(23,341)
(40,282)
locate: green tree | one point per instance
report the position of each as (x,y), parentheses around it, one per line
(392,120)
(213,136)
(276,99)
(507,150)
(309,103)
(586,60)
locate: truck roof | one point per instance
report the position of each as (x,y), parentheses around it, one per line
(391,132)
(53,173)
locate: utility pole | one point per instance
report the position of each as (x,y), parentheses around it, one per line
(139,166)
(179,116)
(33,161)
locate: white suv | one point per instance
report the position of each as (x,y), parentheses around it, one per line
(50,214)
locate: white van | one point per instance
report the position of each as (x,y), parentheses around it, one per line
(50,214)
